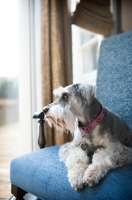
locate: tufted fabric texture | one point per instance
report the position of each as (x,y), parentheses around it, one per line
(114,79)
(43,175)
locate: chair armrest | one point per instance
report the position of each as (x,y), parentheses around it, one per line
(41,138)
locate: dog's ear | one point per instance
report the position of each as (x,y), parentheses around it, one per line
(93,92)
(87,92)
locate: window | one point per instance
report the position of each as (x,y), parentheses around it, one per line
(19,73)
(85,55)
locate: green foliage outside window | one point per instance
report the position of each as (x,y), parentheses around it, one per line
(8,88)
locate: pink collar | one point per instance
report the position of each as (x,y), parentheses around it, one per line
(94,123)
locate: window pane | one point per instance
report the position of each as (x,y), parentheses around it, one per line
(85,36)
(85,51)
(9,89)
(90,58)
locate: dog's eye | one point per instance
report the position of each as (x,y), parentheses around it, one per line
(65,96)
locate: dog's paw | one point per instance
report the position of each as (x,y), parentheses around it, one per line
(91,176)
(76,180)
(77,163)
(89,181)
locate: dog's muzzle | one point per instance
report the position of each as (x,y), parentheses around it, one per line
(58,123)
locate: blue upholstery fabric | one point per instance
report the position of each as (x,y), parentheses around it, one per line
(42,174)
(114,79)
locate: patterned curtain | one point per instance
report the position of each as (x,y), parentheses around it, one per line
(56,56)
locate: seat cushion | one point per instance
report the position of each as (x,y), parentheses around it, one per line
(43,175)
(114,79)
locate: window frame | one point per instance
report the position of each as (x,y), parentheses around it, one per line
(29,79)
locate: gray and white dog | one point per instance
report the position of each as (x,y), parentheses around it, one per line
(95,129)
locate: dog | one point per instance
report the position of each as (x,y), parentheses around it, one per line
(95,131)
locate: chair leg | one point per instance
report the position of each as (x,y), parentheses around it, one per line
(17,192)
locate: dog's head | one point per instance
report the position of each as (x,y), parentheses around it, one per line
(71,104)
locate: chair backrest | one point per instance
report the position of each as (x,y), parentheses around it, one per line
(114,79)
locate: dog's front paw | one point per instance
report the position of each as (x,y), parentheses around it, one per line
(75,180)
(77,163)
(91,176)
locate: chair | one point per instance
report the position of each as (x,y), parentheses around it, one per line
(43,175)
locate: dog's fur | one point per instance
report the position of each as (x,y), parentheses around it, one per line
(110,140)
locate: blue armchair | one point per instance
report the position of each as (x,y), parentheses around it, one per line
(43,175)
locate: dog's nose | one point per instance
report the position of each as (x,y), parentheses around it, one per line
(45,109)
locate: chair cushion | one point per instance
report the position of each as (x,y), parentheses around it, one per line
(114,79)
(43,175)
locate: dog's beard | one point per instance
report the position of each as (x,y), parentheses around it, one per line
(58,123)
(61,118)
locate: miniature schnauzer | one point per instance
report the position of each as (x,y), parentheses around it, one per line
(95,130)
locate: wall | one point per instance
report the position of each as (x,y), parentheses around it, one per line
(126,19)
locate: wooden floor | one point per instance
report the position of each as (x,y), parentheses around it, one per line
(9,144)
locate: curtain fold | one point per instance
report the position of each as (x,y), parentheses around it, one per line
(94,15)
(56,56)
